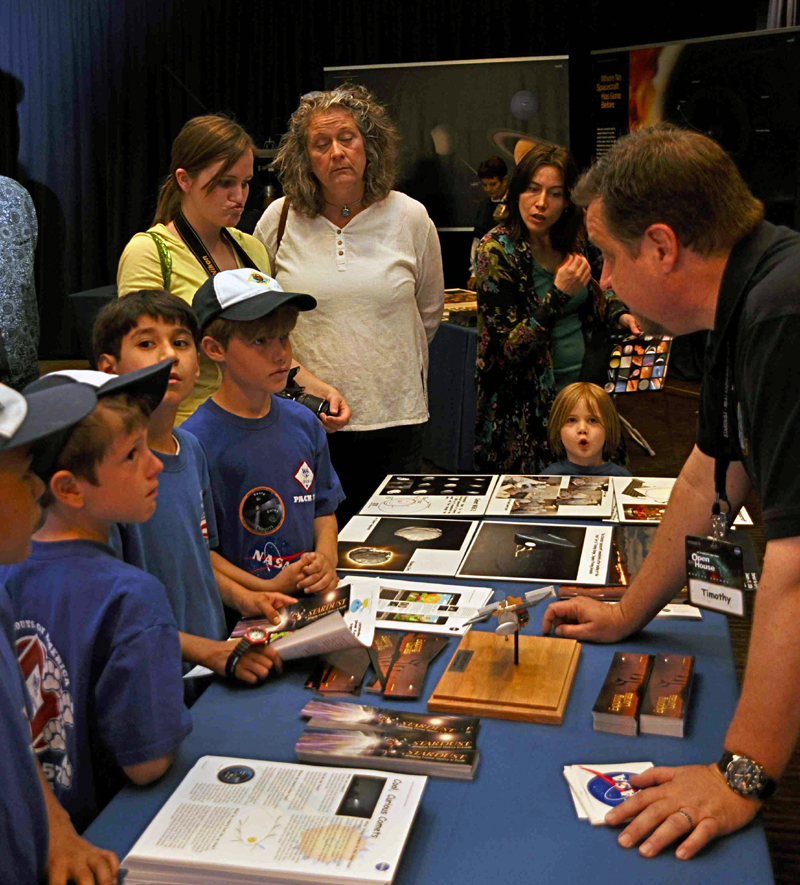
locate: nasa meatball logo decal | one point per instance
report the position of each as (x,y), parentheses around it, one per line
(612,788)
(304,475)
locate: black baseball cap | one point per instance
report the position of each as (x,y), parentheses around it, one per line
(149,383)
(243,294)
(37,416)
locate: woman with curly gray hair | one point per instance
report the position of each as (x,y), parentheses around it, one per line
(370,256)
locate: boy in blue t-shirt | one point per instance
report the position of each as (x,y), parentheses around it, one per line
(275,491)
(95,637)
(37,839)
(173,545)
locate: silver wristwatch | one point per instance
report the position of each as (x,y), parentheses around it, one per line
(745,776)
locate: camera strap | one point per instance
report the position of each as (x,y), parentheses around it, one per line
(197,248)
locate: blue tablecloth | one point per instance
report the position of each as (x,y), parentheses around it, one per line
(515,823)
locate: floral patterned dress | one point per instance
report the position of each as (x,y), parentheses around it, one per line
(514,371)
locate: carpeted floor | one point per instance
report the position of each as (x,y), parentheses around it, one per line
(667,421)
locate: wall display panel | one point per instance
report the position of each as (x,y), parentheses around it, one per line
(453,115)
(742,90)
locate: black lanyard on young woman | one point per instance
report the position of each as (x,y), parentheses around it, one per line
(198,249)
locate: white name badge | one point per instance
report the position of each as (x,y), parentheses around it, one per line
(715,573)
(717,597)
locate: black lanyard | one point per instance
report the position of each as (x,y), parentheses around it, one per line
(197,248)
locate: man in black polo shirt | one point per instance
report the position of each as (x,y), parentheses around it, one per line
(685,245)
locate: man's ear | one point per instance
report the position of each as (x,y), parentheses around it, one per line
(663,246)
(66,489)
(108,364)
(213,349)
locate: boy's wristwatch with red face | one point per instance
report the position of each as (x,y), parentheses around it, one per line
(745,776)
(252,636)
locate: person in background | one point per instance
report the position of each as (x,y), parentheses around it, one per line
(193,235)
(584,430)
(19,311)
(537,306)
(493,174)
(371,257)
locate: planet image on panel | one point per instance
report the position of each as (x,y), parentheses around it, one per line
(524,104)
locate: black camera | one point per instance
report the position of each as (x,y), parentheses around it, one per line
(295,392)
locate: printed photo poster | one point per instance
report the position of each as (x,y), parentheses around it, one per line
(643,499)
(431,495)
(424,608)
(452,115)
(541,552)
(584,497)
(412,545)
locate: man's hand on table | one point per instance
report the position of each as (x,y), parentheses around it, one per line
(586,619)
(669,797)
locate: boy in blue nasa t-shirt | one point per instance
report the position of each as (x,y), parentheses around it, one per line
(95,637)
(275,491)
(177,543)
(37,838)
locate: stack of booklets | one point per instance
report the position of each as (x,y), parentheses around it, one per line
(647,693)
(246,821)
(390,740)
(666,698)
(596,789)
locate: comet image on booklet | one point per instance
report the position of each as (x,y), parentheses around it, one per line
(546,552)
(414,545)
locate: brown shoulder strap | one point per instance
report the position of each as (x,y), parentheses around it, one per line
(282,223)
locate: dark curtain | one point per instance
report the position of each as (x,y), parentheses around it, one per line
(94,91)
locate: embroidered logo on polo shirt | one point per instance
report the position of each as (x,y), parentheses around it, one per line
(304,475)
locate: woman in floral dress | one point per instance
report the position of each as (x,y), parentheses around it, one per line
(537,306)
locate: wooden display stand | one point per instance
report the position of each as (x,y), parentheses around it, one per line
(482,680)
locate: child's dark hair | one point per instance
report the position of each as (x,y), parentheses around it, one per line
(598,402)
(276,324)
(90,439)
(116,319)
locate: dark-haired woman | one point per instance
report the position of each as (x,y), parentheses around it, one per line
(193,233)
(537,306)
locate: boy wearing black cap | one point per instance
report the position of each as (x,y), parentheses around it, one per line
(176,543)
(275,491)
(87,624)
(36,836)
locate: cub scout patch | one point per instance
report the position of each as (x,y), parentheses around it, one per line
(304,475)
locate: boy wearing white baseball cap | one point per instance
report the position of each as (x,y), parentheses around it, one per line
(275,491)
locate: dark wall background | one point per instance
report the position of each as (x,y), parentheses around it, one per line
(92,92)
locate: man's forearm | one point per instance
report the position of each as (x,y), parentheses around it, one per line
(663,573)
(766,724)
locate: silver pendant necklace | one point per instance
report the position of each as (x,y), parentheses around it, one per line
(345,210)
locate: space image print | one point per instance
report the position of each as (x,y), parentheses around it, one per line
(48,683)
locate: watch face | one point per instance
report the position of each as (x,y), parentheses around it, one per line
(256,635)
(744,775)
